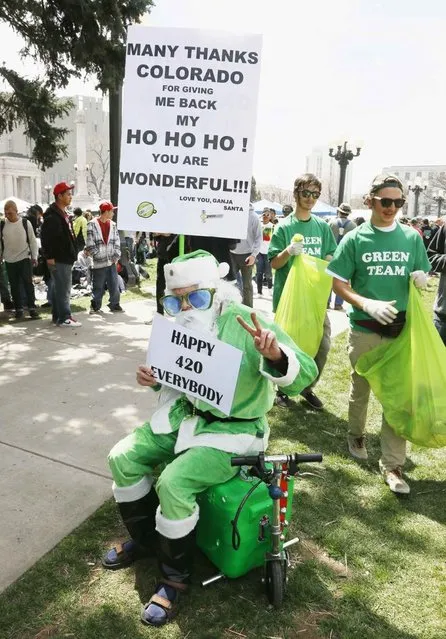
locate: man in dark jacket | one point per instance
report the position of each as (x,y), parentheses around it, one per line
(34,215)
(59,249)
(437,257)
(167,247)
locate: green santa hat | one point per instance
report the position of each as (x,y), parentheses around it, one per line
(198,268)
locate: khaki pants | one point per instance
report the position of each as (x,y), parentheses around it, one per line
(393,447)
(321,356)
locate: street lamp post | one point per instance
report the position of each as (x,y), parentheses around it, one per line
(47,188)
(416,188)
(343,156)
(439,199)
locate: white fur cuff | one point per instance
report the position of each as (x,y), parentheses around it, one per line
(292,371)
(124,494)
(175,528)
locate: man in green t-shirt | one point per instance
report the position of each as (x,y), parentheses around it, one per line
(372,268)
(318,241)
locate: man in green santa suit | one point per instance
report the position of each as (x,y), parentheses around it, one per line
(193,438)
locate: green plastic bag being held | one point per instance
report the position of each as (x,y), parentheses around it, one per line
(408,376)
(303,303)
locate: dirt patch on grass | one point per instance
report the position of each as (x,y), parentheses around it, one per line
(308,549)
(306,626)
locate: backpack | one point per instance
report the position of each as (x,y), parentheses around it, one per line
(341,228)
(80,241)
(25,226)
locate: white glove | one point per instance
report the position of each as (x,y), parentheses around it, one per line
(419,278)
(383,312)
(295,248)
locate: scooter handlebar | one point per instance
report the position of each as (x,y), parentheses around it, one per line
(306,458)
(250,460)
(298,458)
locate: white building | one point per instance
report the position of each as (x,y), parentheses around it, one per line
(19,177)
(86,163)
(431,175)
(328,171)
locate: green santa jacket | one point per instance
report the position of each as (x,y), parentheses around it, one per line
(253,398)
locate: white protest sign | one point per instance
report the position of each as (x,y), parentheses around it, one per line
(192,362)
(188,127)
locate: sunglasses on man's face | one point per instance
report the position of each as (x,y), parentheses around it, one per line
(386,202)
(201,299)
(306,193)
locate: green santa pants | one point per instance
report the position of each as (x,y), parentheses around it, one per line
(191,472)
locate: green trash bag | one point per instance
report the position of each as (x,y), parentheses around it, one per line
(408,376)
(303,303)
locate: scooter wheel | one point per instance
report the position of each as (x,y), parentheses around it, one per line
(275,582)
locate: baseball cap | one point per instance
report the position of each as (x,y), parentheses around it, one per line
(106,206)
(383,180)
(61,187)
(344,208)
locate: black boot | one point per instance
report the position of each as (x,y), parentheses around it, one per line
(139,519)
(175,562)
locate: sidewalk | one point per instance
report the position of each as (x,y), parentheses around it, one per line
(67,395)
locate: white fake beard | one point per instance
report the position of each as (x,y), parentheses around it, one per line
(199,320)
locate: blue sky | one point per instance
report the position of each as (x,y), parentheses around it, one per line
(357,69)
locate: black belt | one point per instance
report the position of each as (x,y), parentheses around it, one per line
(210,417)
(385,330)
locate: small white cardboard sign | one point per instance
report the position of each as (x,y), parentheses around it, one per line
(194,363)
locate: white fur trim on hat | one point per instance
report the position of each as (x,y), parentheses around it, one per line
(194,272)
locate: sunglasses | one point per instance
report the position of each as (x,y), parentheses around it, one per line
(386,202)
(314,194)
(201,299)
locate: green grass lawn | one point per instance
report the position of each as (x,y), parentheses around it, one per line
(370,565)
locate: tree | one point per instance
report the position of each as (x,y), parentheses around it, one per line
(436,187)
(255,195)
(330,194)
(35,106)
(71,39)
(98,174)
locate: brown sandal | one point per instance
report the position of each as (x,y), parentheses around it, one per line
(121,556)
(169,607)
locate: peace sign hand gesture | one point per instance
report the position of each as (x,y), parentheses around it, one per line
(265,341)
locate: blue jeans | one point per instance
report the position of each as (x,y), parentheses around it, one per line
(101,277)
(263,269)
(338,300)
(60,291)
(440,325)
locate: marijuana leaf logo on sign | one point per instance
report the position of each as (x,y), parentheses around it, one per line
(145,209)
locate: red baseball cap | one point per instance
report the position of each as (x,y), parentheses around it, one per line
(106,206)
(61,187)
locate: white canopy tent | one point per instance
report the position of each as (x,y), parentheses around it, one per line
(267,204)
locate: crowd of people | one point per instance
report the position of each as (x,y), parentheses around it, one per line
(64,249)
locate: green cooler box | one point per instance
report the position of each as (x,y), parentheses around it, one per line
(218,507)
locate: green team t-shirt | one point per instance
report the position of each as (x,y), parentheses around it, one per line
(379,263)
(318,241)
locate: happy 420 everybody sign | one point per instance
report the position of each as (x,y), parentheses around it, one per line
(188,128)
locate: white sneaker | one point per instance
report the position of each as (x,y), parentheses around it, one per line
(394,479)
(71,322)
(356,447)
